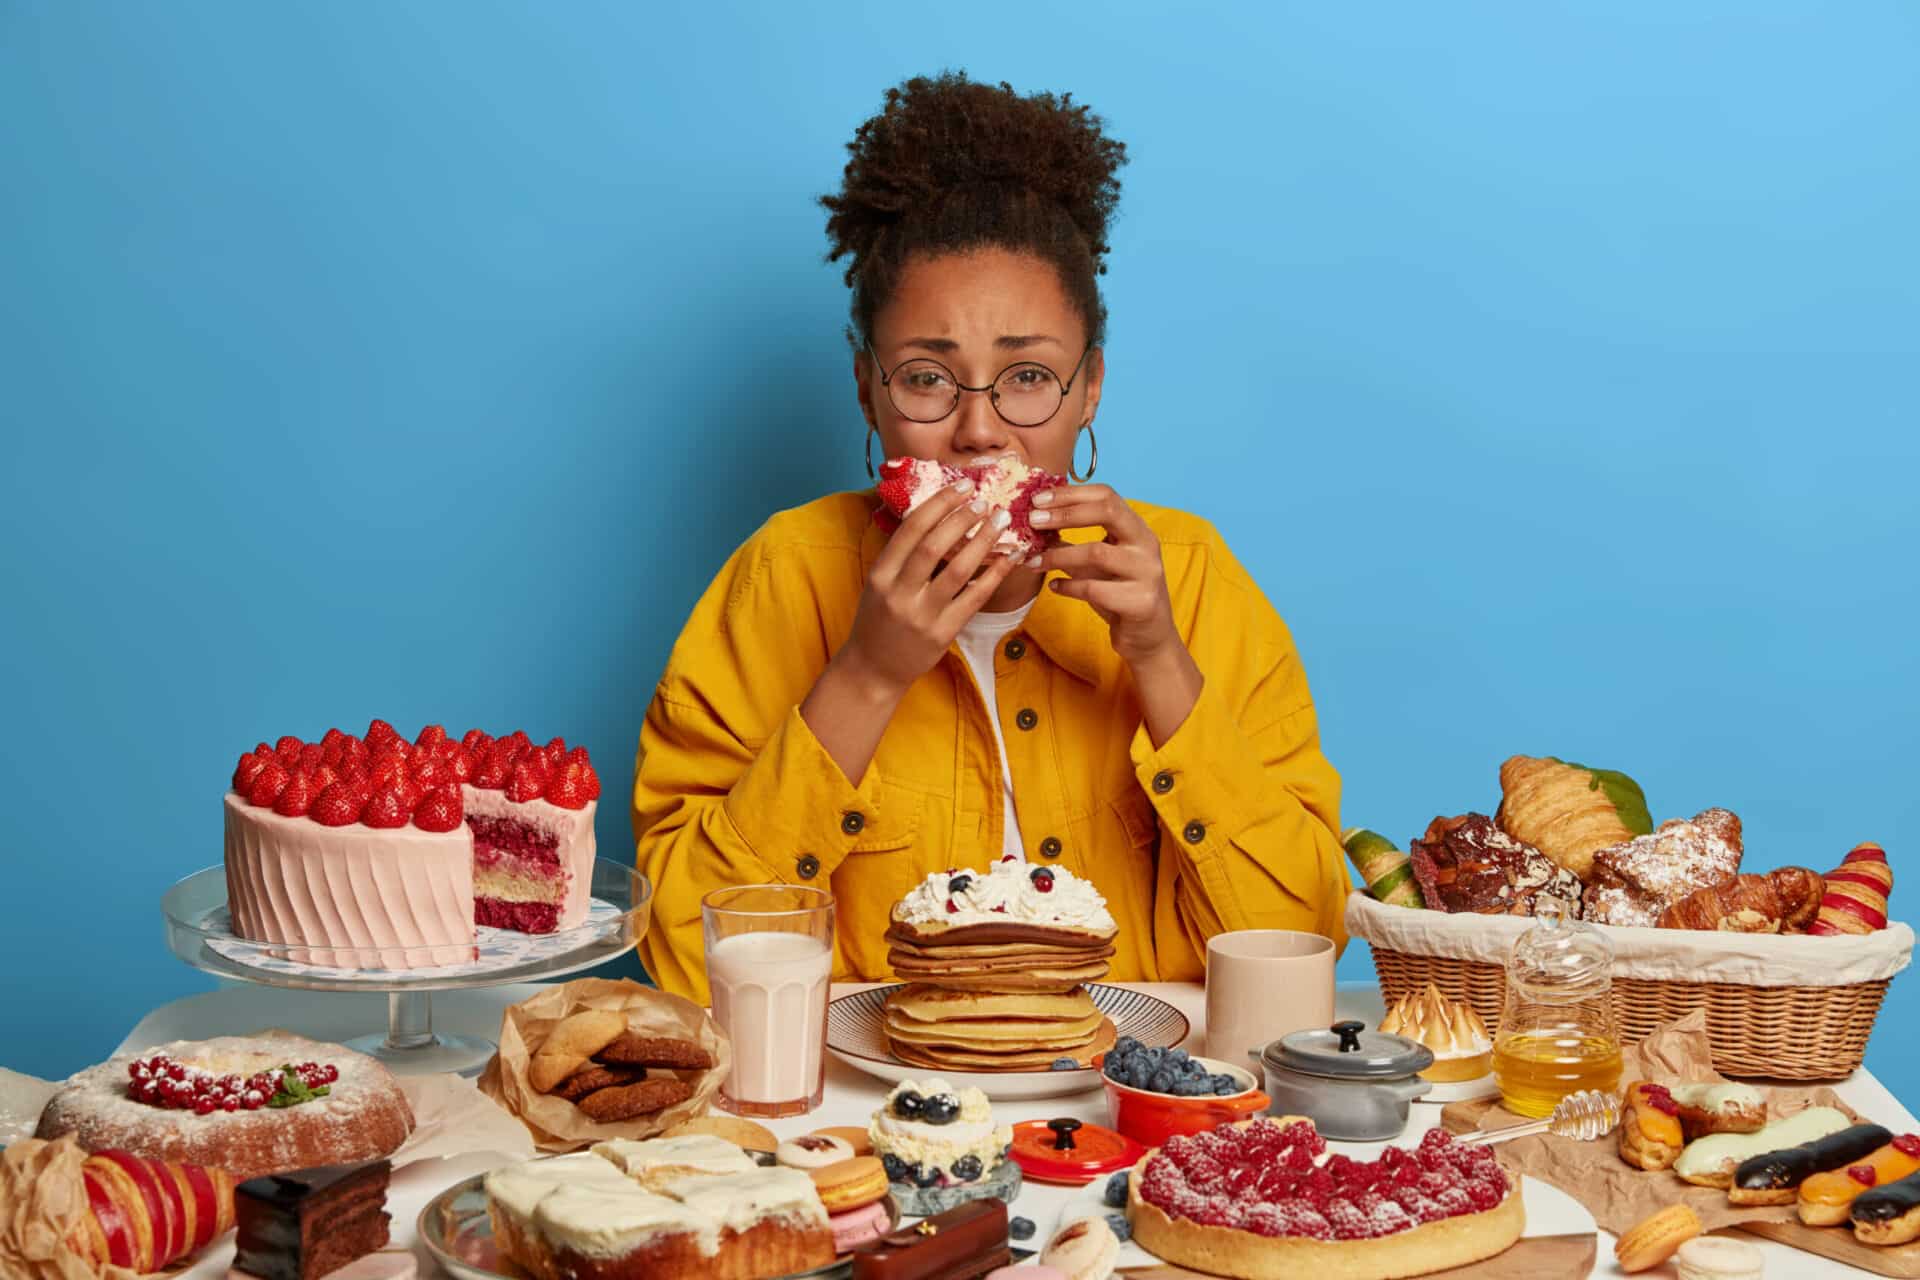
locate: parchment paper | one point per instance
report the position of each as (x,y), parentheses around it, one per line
(555,1123)
(1618,1195)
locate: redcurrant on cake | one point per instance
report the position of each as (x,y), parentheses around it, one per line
(1263,1200)
(251,1105)
(1004,484)
(376,852)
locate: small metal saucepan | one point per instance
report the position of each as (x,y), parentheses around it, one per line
(1355,1084)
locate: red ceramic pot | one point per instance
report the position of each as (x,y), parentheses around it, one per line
(1151,1118)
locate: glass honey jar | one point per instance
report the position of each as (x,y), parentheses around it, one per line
(1558,1031)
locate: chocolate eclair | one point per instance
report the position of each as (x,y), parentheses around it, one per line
(1888,1215)
(1775,1178)
(960,1244)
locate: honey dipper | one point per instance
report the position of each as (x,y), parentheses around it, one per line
(1585,1115)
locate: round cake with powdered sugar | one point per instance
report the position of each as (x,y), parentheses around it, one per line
(252,1105)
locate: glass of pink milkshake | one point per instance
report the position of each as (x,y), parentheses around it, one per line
(769,960)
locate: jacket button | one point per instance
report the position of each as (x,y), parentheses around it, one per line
(809,866)
(1016,649)
(854,823)
(1050,847)
(1026,718)
(1162,782)
(1195,832)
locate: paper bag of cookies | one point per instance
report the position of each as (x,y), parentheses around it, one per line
(594,1059)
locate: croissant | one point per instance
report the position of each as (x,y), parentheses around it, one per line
(1569,811)
(148,1214)
(1781,901)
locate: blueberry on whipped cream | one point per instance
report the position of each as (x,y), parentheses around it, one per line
(1008,893)
(930,1134)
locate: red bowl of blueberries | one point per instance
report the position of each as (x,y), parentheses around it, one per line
(1154,1094)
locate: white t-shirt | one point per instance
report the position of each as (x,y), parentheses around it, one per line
(979,641)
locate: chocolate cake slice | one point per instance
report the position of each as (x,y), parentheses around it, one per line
(305,1224)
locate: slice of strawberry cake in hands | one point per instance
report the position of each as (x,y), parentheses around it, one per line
(1006,483)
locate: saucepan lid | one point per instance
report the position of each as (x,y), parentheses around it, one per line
(1347,1051)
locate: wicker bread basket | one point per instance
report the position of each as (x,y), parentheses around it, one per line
(1782,1007)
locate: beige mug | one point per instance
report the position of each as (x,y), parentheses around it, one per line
(1262,984)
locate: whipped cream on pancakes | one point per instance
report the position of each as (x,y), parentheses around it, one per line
(1008,893)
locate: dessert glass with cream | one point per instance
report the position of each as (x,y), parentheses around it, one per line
(769,951)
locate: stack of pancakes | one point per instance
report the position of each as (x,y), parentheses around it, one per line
(1005,996)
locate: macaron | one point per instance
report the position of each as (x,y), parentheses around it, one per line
(815,1151)
(858,1226)
(1718,1258)
(746,1134)
(1084,1250)
(852,1135)
(850,1184)
(1653,1241)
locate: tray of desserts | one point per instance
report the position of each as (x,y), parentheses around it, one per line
(666,1207)
(1002,989)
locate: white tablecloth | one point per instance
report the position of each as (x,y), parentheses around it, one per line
(851,1096)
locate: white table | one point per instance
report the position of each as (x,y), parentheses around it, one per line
(851,1096)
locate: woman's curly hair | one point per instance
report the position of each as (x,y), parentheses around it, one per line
(951,165)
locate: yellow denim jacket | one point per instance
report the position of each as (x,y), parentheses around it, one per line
(1231,824)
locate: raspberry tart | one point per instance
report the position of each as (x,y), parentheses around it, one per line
(251,1105)
(376,852)
(1004,484)
(1263,1200)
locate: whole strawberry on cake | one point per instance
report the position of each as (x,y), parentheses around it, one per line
(1004,484)
(376,852)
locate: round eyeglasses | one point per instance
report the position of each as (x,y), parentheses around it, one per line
(1025,394)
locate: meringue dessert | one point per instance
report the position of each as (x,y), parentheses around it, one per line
(1462,1049)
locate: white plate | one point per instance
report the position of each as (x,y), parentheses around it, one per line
(857,1035)
(1462,1090)
(1550,1211)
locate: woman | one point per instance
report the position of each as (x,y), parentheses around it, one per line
(854,710)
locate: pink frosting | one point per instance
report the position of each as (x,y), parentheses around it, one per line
(857,1226)
(353,896)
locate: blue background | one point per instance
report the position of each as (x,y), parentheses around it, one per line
(1551,365)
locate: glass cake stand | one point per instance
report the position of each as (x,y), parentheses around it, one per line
(200,932)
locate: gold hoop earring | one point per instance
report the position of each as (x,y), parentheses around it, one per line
(1092,462)
(869,452)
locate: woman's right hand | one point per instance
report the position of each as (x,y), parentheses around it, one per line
(930,578)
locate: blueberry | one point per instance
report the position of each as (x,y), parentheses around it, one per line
(925,1177)
(1020,1228)
(907,1105)
(1064,1064)
(941,1108)
(959,884)
(1126,1045)
(1116,1192)
(1122,1229)
(966,1168)
(896,1167)
(1161,1081)
(1179,1056)
(1224,1085)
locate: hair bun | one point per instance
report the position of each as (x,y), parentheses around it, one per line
(948,162)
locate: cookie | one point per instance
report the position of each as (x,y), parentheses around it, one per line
(856,1138)
(594,1077)
(573,1040)
(744,1134)
(850,1184)
(630,1050)
(815,1151)
(627,1101)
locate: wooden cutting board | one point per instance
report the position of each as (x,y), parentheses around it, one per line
(1530,1259)
(1837,1243)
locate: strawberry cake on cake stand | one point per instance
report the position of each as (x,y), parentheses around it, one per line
(373,863)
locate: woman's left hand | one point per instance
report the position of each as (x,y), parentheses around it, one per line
(1122,577)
